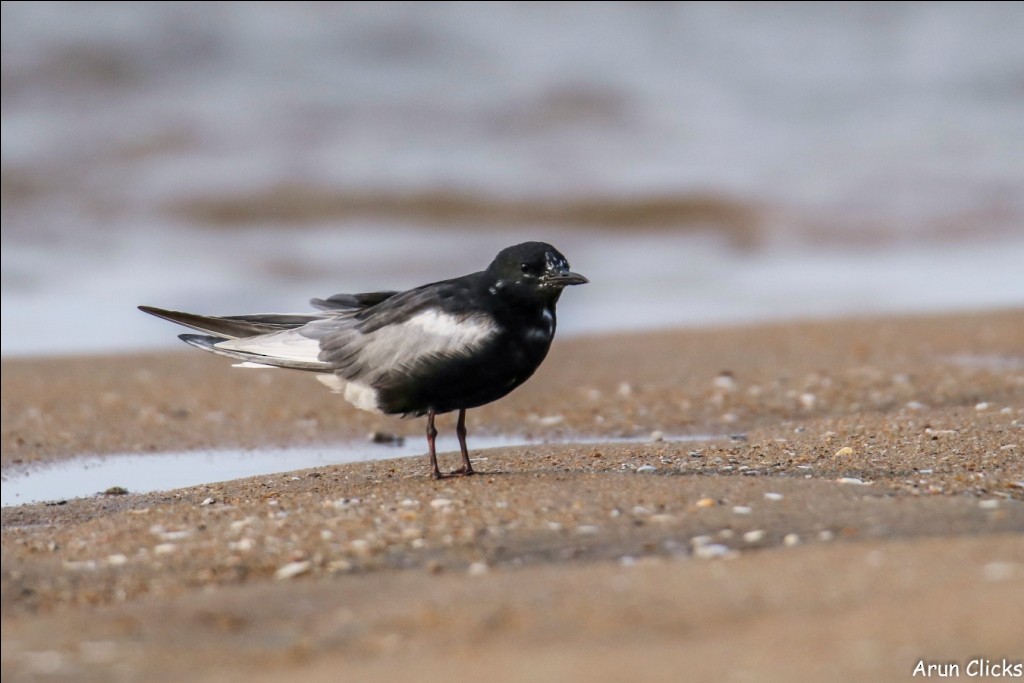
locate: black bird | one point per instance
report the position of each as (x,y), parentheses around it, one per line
(449,345)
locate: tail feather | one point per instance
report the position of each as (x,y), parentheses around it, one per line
(210,343)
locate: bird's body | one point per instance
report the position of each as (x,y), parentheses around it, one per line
(445,346)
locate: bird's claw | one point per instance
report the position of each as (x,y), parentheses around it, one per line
(461,472)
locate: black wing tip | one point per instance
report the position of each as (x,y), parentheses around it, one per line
(165,313)
(347,302)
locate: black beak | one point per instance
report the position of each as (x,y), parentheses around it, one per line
(563,279)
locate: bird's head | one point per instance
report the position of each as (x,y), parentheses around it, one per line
(531,270)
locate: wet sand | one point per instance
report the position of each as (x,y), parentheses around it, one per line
(861,510)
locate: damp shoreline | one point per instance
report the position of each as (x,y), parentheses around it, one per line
(881,467)
(131,473)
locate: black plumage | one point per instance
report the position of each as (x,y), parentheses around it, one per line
(445,346)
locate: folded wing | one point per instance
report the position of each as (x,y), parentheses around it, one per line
(358,344)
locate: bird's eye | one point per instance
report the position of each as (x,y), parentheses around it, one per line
(526,267)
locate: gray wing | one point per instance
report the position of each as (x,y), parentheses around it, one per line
(374,345)
(399,336)
(365,355)
(360,343)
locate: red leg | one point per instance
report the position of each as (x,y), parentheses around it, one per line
(431,437)
(460,431)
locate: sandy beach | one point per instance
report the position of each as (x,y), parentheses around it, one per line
(779,435)
(855,506)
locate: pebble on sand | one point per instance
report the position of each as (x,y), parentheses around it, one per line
(79,565)
(724,381)
(360,547)
(292,569)
(843,452)
(386,438)
(999,571)
(712,551)
(755,536)
(340,566)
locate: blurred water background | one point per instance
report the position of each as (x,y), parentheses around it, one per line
(701,163)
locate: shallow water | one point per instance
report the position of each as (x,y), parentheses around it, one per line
(899,112)
(142,473)
(637,281)
(236,159)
